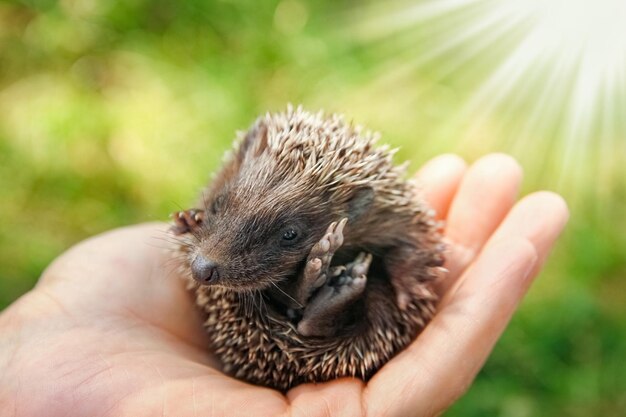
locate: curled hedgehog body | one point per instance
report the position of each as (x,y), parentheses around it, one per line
(311,255)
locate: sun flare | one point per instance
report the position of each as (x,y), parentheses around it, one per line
(546,77)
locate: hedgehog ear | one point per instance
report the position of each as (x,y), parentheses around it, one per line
(254,142)
(360,202)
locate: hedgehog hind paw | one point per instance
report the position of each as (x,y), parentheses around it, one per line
(346,286)
(320,316)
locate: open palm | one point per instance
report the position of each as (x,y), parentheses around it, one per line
(110,331)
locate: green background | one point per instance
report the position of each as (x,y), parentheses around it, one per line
(114,113)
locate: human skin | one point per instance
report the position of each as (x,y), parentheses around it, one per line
(109,330)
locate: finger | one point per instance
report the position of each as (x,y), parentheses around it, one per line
(122,266)
(453,347)
(127,272)
(530,218)
(129,250)
(437,368)
(439,179)
(341,397)
(486,194)
(539,217)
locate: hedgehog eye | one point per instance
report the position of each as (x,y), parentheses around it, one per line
(290,234)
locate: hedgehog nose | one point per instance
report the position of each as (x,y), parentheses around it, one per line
(204,270)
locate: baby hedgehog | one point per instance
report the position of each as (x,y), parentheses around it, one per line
(311,255)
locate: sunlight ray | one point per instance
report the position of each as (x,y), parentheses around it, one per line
(547,78)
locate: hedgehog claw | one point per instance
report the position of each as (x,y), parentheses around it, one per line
(360,265)
(186,221)
(329,243)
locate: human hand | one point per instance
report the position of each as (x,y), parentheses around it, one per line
(110,331)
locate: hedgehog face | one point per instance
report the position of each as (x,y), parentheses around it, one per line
(251,243)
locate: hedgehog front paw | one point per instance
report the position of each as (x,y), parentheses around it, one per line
(328,244)
(186,221)
(316,271)
(346,285)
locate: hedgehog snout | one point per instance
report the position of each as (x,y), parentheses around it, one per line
(204,271)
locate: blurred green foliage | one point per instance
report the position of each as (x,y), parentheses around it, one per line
(113,113)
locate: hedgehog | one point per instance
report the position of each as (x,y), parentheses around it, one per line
(311,255)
